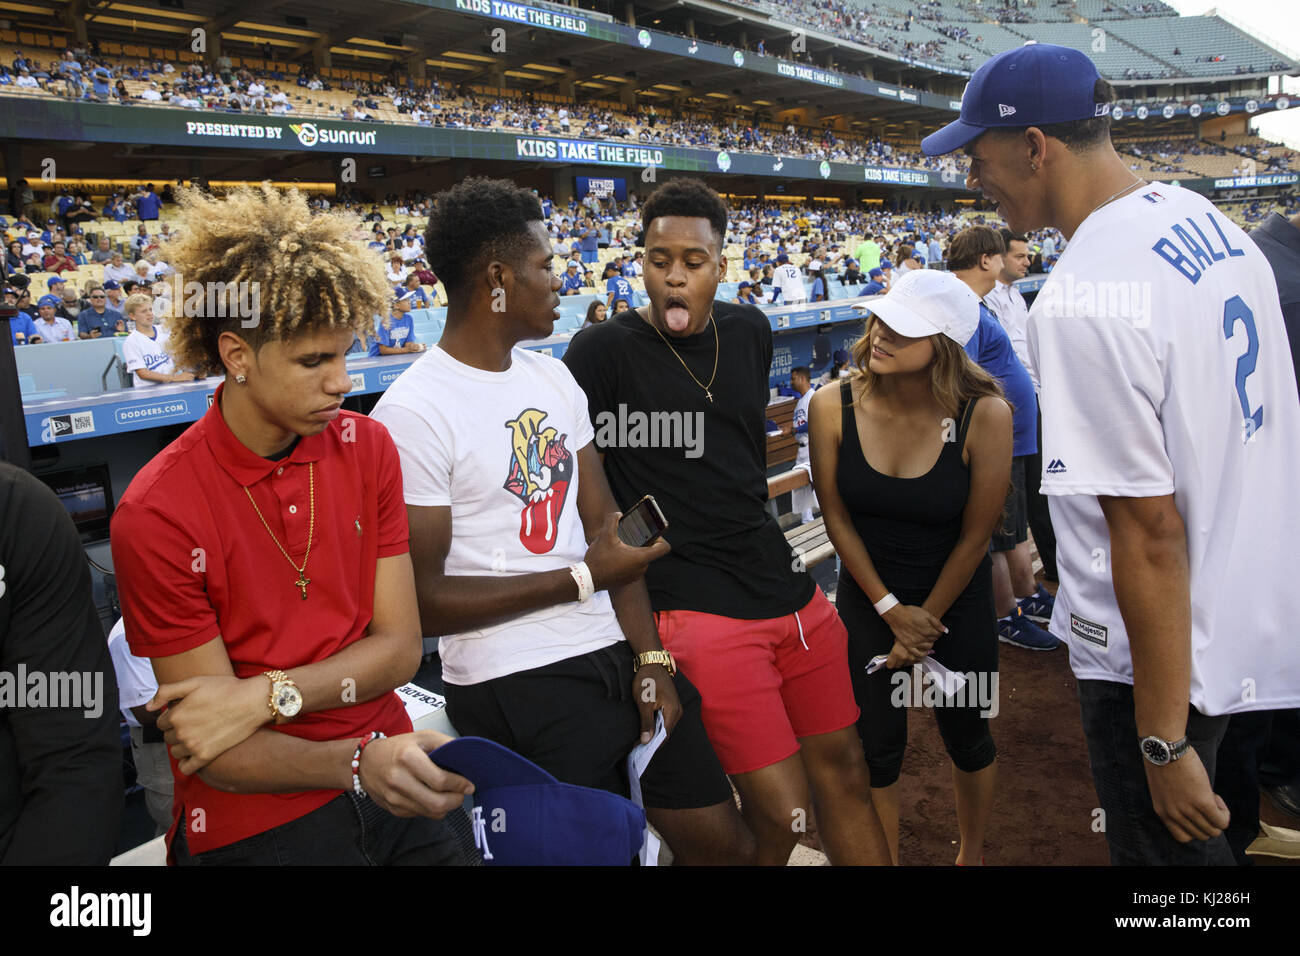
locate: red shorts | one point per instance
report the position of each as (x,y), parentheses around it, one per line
(765,683)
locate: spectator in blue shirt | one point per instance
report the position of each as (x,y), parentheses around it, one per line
(370,347)
(875,283)
(396,333)
(419,298)
(571,281)
(744,296)
(617,287)
(99,319)
(589,240)
(100,79)
(22,329)
(147,204)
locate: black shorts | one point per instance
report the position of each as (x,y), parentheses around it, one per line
(577,720)
(1015,515)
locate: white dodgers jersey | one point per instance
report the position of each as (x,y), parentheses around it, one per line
(1165,369)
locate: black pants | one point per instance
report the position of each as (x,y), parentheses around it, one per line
(1135,834)
(576,719)
(1040,518)
(348,831)
(1256,743)
(970,647)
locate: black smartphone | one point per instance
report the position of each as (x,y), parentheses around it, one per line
(642,523)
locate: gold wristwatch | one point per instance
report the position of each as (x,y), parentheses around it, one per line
(657,657)
(286,700)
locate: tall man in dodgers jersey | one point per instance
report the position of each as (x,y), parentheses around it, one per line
(1171,442)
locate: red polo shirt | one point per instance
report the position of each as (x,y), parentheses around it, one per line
(193,562)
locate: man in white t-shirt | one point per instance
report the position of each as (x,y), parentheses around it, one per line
(802,499)
(1006,302)
(787,280)
(136,686)
(547,640)
(1171,441)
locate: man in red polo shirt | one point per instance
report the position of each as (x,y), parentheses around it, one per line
(263,566)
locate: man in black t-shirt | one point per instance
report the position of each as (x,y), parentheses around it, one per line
(60,753)
(678,394)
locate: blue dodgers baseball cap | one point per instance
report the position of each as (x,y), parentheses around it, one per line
(55,280)
(48,300)
(1031,85)
(523,816)
(112,284)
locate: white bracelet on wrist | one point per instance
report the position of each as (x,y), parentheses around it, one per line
(886,603)
(586,584)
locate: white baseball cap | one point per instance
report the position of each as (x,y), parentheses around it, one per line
(928,302)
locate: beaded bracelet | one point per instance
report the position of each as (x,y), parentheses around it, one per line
(356,762)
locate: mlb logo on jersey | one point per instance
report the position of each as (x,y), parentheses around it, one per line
(1153,197)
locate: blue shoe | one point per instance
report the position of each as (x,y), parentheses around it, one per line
(1020,632)
(1038,606)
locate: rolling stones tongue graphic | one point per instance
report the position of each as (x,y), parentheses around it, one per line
(541,469)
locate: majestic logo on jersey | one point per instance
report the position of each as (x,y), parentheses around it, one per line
(1056,467)
(541,468)
(1004,110)
(1090,631)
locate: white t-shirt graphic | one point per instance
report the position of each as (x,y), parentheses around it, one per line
(500,449)
(1165,369)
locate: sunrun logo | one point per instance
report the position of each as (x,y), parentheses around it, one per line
(309,134)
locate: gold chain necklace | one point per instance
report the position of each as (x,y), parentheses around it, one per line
(717,350)
(303,580)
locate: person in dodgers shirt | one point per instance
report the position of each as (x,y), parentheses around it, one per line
(1171,441)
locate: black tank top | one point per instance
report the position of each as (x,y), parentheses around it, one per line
(909,525)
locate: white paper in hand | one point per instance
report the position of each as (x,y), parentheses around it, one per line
(637,761)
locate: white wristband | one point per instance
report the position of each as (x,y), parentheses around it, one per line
(586,586)
(885,603)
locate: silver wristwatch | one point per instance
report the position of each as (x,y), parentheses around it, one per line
(1161,752)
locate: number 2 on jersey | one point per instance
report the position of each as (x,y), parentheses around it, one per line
(1234,311)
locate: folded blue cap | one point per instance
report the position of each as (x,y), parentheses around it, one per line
(523,816)
(1031,85)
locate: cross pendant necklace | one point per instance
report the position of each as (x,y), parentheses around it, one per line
(303,580)
(717,352)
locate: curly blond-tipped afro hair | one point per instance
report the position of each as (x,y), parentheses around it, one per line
(306,273)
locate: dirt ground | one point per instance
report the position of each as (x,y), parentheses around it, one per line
(1043,811)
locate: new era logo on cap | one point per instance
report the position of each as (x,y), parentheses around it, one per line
(1004,110)
(1101,110)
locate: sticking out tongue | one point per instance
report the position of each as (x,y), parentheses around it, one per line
(677,317)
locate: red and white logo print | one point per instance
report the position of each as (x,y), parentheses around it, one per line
(541,469)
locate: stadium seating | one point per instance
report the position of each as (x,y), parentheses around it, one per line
(1198,40)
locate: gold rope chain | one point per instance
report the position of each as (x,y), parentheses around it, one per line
(303,580)
(717,350)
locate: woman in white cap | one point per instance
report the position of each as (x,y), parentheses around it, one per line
(911,458)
